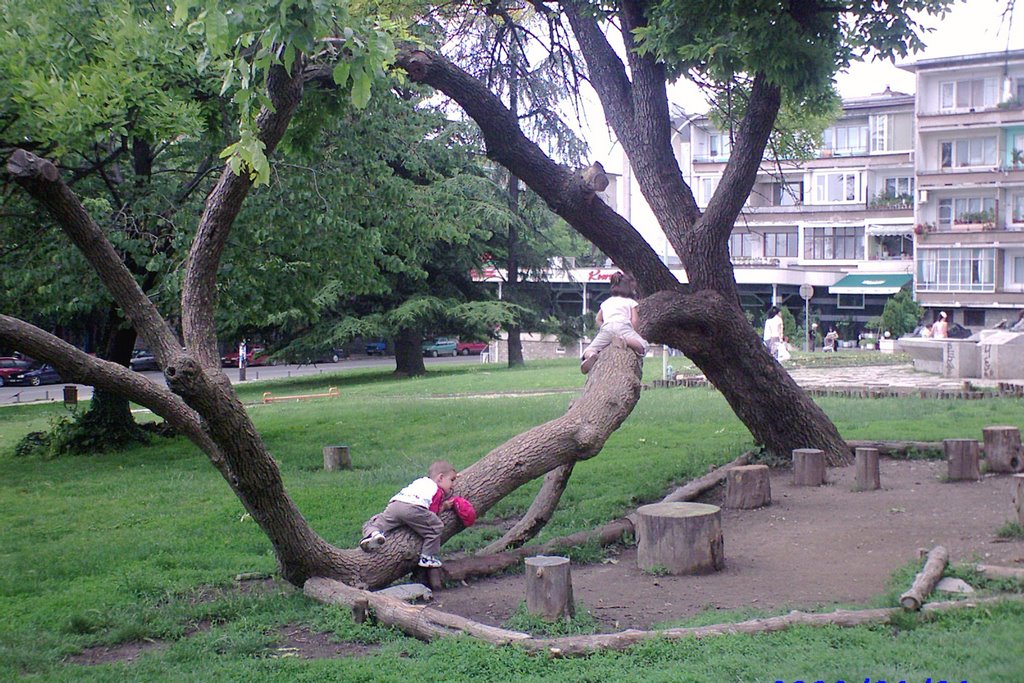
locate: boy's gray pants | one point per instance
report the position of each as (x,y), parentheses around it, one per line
(421,520)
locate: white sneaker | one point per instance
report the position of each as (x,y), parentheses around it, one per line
(429,561)
(372,542)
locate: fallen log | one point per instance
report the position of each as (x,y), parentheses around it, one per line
(585,645)
(698,486)
(992,571)
(425,623)
(897,447)
(926,579)
(428,624)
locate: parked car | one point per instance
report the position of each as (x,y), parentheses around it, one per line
(12,366)
(143,360)
(468,347)
(253,357)
(442,346)
(376,348)
(33,377)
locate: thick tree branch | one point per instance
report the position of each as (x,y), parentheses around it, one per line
(563,190)
(222,206)
(41,179)
(745,159)
(640,118)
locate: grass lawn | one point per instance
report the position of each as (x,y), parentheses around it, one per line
(142,546)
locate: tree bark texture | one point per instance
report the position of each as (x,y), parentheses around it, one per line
(409,353)
(1018,497)
(549,587)
(337,458)
(198,297)
(924,582)
(748,487)
(539,513)
(866,464)
(1003,449)
(808,467)
(962,459)
(680,538)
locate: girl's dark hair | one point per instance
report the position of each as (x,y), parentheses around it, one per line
(623,285)
(773,311)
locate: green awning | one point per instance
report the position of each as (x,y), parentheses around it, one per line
(861,283)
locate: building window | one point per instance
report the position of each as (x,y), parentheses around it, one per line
(787,194)
(833,188)
(968,94)
(846,140)
(707,189)
(849,301)
(881,132)
(741,245)
(1018,270)
(966,210)
(1017,208)
(974,317)
(956,270)
(968,152)
(782,244)
(844,243)
(894,187)
(718,145)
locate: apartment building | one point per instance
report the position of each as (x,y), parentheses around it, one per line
(970,186)
(922,191)
(842,222)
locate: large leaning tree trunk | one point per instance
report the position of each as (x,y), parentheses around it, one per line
(707,324)
(200,403)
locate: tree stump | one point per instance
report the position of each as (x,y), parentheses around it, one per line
(1018,497)
(549,587)
(748,487)
(336,458)
(808,467)
(1003,449)
(962,459)
(680,538)
(866,462)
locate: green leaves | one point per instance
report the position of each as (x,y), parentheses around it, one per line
(244,40)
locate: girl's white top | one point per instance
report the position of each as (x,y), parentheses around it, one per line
(616,309)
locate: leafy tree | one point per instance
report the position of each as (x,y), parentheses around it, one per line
(273,50)
(761,54)
(901,314)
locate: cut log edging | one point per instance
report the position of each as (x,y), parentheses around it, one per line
(967,393)
(427,623)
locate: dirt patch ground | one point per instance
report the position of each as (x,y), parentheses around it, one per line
(811,547)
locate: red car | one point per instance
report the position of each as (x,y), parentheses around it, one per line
(12,366)
(257,356)
(466,348)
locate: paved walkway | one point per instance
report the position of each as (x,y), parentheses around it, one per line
(881,376)
(881,380)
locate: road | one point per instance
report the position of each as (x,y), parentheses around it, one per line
(55,392)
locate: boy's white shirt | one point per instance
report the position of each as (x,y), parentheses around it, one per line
(420,492)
